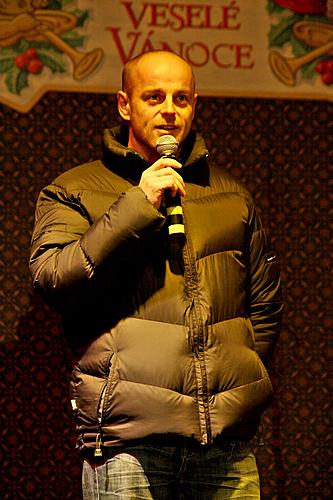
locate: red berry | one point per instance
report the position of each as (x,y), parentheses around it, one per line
(35,66)
(304,6)
(327,78)
(21,61)
(31,53)
(321,67)
(329,66)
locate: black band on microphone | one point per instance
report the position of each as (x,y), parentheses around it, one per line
(174,212)
(167,148)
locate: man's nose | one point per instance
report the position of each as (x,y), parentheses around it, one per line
(168,106)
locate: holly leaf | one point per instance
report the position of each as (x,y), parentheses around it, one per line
(54,62)
(82,16)
(319,18)
(281,32)
(55,5)
(21,46)
(73,39)
(21,81)
(42,46)
(7,53)
(308,70)
(6,65)
(273,8)
(7,58)
(299,48)
(16,80)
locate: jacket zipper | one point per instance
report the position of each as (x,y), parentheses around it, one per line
(198,345)
(100,411)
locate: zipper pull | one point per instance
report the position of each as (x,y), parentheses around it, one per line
(74,406)
(98,450)
(261,441)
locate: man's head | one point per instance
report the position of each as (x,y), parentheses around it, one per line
(157,98)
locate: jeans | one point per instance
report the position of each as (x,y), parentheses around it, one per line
(187,471)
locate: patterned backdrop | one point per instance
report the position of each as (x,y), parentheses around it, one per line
(283,151)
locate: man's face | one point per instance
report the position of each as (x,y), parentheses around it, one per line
(161,101)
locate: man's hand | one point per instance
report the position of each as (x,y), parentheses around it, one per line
(159,176)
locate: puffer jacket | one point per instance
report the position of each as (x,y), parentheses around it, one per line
(159,353)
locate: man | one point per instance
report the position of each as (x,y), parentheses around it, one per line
(170,383)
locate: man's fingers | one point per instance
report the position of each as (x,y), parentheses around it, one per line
(161,176)
(164,163)
(166,179)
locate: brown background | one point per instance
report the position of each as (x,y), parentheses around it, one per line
(283,151)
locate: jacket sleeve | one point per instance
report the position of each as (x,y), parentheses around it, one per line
(265,297)
(67,249)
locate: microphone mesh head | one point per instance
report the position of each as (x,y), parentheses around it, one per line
(167,145)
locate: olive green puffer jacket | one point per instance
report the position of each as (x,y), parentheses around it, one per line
(159,352)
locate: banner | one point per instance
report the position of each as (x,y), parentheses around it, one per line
(262,48)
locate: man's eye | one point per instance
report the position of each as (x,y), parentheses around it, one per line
(154,98)
(182,99)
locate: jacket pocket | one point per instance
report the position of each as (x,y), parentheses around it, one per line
(108,387)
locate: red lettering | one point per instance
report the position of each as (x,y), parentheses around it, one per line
(218,59)
(147,46)
(243,52)
(193,59)
(208,18)
(173,12)
(193,12)
(159,10)
(178,16)
(135,36)
(136,21)
(230,14)
(166,46)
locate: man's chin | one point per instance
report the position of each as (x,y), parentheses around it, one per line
(176,133)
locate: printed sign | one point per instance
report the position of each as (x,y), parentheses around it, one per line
(266,48)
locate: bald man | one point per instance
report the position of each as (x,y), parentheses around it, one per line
(170,383)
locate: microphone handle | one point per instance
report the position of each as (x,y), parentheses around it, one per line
(174,212)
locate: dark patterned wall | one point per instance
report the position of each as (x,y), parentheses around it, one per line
(283,151)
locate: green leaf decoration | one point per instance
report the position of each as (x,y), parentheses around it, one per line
(308,70)
(280,33)
(54,62)
(43,46)
(10,80)
(55,5)
(73,39)
(299,48)
(21,81)
(82,17)
(320,18)
(7,59)
(16,80)
(6,65)
(273,8)
(8,53)
(21,46)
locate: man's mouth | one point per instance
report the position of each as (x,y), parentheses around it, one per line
(167,128)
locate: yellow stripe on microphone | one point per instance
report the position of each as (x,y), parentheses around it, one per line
(176,228)
(176,210)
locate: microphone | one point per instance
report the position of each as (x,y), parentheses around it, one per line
(166,147)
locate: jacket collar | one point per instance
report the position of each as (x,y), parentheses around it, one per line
(129,164)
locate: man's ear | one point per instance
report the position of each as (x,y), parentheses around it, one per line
(123,105)
(194,105)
